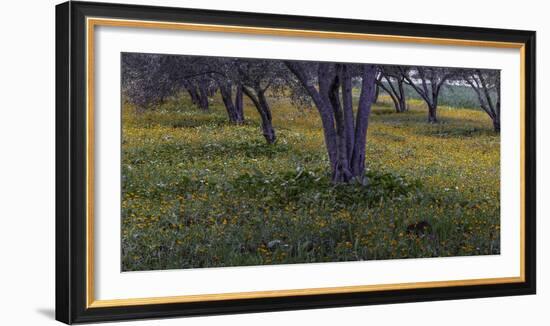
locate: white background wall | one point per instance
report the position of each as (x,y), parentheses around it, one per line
(27,161)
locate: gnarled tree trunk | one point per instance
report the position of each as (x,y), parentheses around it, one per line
(362,121)
(431,81)
(203,98)
(432,113)
(489,104)
(257,96)
(402,97)
(345,135)
(239,107)
(192,91)
(396,92)
(193,94)
(234,109)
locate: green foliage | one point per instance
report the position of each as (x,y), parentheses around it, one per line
(199,192)
(310,188)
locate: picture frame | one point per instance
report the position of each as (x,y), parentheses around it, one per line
(76,23)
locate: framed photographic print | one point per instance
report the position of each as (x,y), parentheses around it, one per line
(213,162)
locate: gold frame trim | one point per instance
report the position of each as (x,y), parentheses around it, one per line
(92,22)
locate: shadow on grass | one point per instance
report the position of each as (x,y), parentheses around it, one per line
(446,127)
(443,131)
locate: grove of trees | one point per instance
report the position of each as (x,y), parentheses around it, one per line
(342,93)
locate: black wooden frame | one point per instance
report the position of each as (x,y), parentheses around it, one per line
(71,161)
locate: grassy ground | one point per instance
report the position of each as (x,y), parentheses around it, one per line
(198,192)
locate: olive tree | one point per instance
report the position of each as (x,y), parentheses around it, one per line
(257,76)
(428,82)
(330,87)
(392,81)
(146,79)
(486,85)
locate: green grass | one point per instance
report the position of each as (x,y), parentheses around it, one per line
(199,192)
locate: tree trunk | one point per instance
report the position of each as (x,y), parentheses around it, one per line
(396,104)
(485,101)
(347,101)
(267,126)
(402,97)
(376,94)
(344,126)
(396,93)
(239,107)
(203,99)
(496,124)
(260,102)
(362,121)
(211,91)
(225,91)
(432,113)
(323,107)
(402,104)
(193,94)
(345,137)
(431,85)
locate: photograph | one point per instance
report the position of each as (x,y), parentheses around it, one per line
(230,161)
(225,160)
